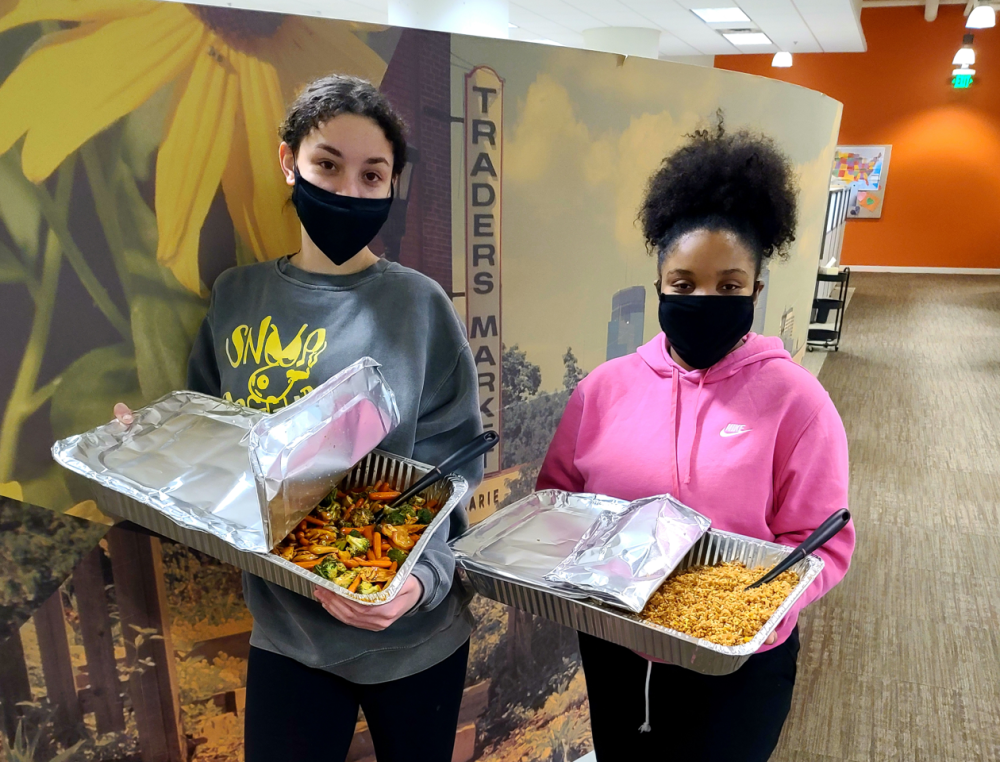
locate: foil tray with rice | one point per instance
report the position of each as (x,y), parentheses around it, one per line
(650,575)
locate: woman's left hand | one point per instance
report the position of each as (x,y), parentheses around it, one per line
(771,638)
(374,618)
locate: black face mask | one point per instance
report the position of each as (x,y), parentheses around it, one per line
(703,329)
(340,226)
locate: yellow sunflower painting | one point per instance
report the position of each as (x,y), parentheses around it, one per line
(232,74)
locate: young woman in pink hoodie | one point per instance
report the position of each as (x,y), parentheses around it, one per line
(725,421)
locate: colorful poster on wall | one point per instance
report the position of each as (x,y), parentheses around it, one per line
(863,169)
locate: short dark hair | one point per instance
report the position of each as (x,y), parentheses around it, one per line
(337,94)
(739,183)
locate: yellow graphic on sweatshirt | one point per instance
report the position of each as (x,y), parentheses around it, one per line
(281,373)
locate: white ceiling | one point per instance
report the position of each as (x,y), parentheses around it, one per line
(801,26)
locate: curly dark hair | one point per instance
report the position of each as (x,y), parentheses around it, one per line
(337,94)
(739,183)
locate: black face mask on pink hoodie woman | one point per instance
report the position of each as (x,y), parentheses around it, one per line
(703,329)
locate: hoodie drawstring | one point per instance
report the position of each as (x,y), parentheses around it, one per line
(674,396)
(646,727)
(697,428)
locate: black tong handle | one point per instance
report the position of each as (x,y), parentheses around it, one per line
(478,446)
(823,533)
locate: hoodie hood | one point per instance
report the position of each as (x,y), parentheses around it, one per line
(656,354)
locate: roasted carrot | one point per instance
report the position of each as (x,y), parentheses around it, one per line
(431,505)
(378,545)
(382,563)
(393,566)
(350,563)
(354,584)
(314,520)
(367,532)
(384,495)
(370,554)
(307,564)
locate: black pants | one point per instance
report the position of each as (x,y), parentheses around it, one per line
(294,712)
(694,718)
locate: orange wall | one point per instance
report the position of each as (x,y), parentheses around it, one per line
(942,199)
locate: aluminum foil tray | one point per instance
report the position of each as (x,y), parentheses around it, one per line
(377,466)
(629,630)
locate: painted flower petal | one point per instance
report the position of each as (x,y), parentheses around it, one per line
(304,49)
(255,188)
(12,490)
(192,158)
(30,11)
(67,92)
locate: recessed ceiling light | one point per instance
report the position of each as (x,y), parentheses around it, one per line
(782,60)
(719,15)
(742,39)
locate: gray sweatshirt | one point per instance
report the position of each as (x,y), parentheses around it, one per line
(273,333)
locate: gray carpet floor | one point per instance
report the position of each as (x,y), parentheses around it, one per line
(902,660)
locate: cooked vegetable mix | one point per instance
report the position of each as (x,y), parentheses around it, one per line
(355,540)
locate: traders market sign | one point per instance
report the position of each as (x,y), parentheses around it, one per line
(483,167)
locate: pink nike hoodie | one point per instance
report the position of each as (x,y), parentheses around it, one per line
(754,443)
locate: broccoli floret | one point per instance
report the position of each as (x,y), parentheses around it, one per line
(424,516)
(354,533)
(362,517)
(345,579)
(357,546)
(329,509)
(397,555)
(330,567)
(396,518)
(340,544)
(366,588)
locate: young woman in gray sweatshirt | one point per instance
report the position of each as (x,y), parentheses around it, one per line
(276,330)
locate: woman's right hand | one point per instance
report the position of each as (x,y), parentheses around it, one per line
(124,414)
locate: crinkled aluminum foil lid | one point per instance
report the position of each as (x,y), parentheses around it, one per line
(188,455)
(624,557)
(526,540)
(300,453)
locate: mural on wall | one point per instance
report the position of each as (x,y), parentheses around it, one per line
(138,162)
(865,170)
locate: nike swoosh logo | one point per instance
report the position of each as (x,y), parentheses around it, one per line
(734,433)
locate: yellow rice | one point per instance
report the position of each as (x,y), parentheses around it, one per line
(710,602)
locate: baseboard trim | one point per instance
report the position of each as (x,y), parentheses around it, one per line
(925,270)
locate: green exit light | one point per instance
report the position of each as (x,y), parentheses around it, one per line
(961,81)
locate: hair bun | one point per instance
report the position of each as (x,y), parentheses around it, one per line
(738,181)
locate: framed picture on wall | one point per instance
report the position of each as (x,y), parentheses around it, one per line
(863,169)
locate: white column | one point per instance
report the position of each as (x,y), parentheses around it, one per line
(485,18)
(624,40)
